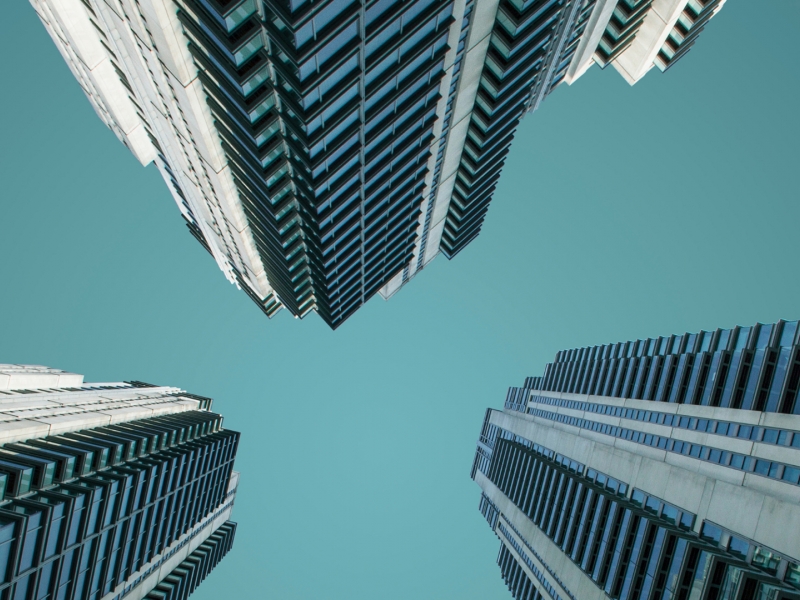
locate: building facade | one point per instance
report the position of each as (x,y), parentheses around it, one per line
(325,151)
(109,491)
(666,468)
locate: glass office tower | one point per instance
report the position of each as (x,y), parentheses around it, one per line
(325,151)
(665,468)
(109,490)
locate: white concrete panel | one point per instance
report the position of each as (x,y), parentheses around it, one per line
(684,489)
(203,120)
(655,454)
(115,96)
(32,381)
(139,143)
(74,422)
(695,437)
(482,22)
(470,79)
(394,285)
(653,428)
(163,17)
(722,414)
(777,526)
(16,405)
(21,377)
(44,412)
(782,454)
(716,472)
(595,27)
(445,192)
(452,158)
(735,508)
(78,31)
(779,421)
(452,41)
(13,431)
(472,68)
(233,482)
(637,59)
(69,380)
(772,487)
(650,469)
(434,239)
(161,63)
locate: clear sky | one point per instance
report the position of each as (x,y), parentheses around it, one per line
(622,213)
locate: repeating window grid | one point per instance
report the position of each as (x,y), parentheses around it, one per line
(443,138)
(108,569)
(654,537)
(603,540)
(610,536)
(521,551)
(583,530)
(341,310)
(619,548)
(602,366)
(609,378)
(551,509)
(681,378)
(759,434)
(588,528)
(646,575)
(517,581)
(529,549)
(631,557)
(593,540)
(536,474)
(564,515)
(519,485)
(560,374)
(646,554)
(541,496)
(571,533)
(515,460)
(188,575)
(619,379)
(465,217)
(539,510)
(504,456)
(489,510)
(755,368)
(554,515)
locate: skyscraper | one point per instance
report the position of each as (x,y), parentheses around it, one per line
(109,490)
(325,151)
(666,468)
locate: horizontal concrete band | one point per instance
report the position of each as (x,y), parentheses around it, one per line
(757,508)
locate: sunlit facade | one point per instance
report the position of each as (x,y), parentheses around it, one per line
(109,490)
(682,486)
(323,152)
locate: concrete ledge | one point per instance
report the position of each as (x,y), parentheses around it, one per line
(731,498)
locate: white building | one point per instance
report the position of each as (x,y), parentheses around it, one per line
(109,490)
(323,152)
(626,472)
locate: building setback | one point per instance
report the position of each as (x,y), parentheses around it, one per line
(111,490)
(659,469)
(326,151)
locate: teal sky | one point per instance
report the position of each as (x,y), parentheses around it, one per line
(622,213)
